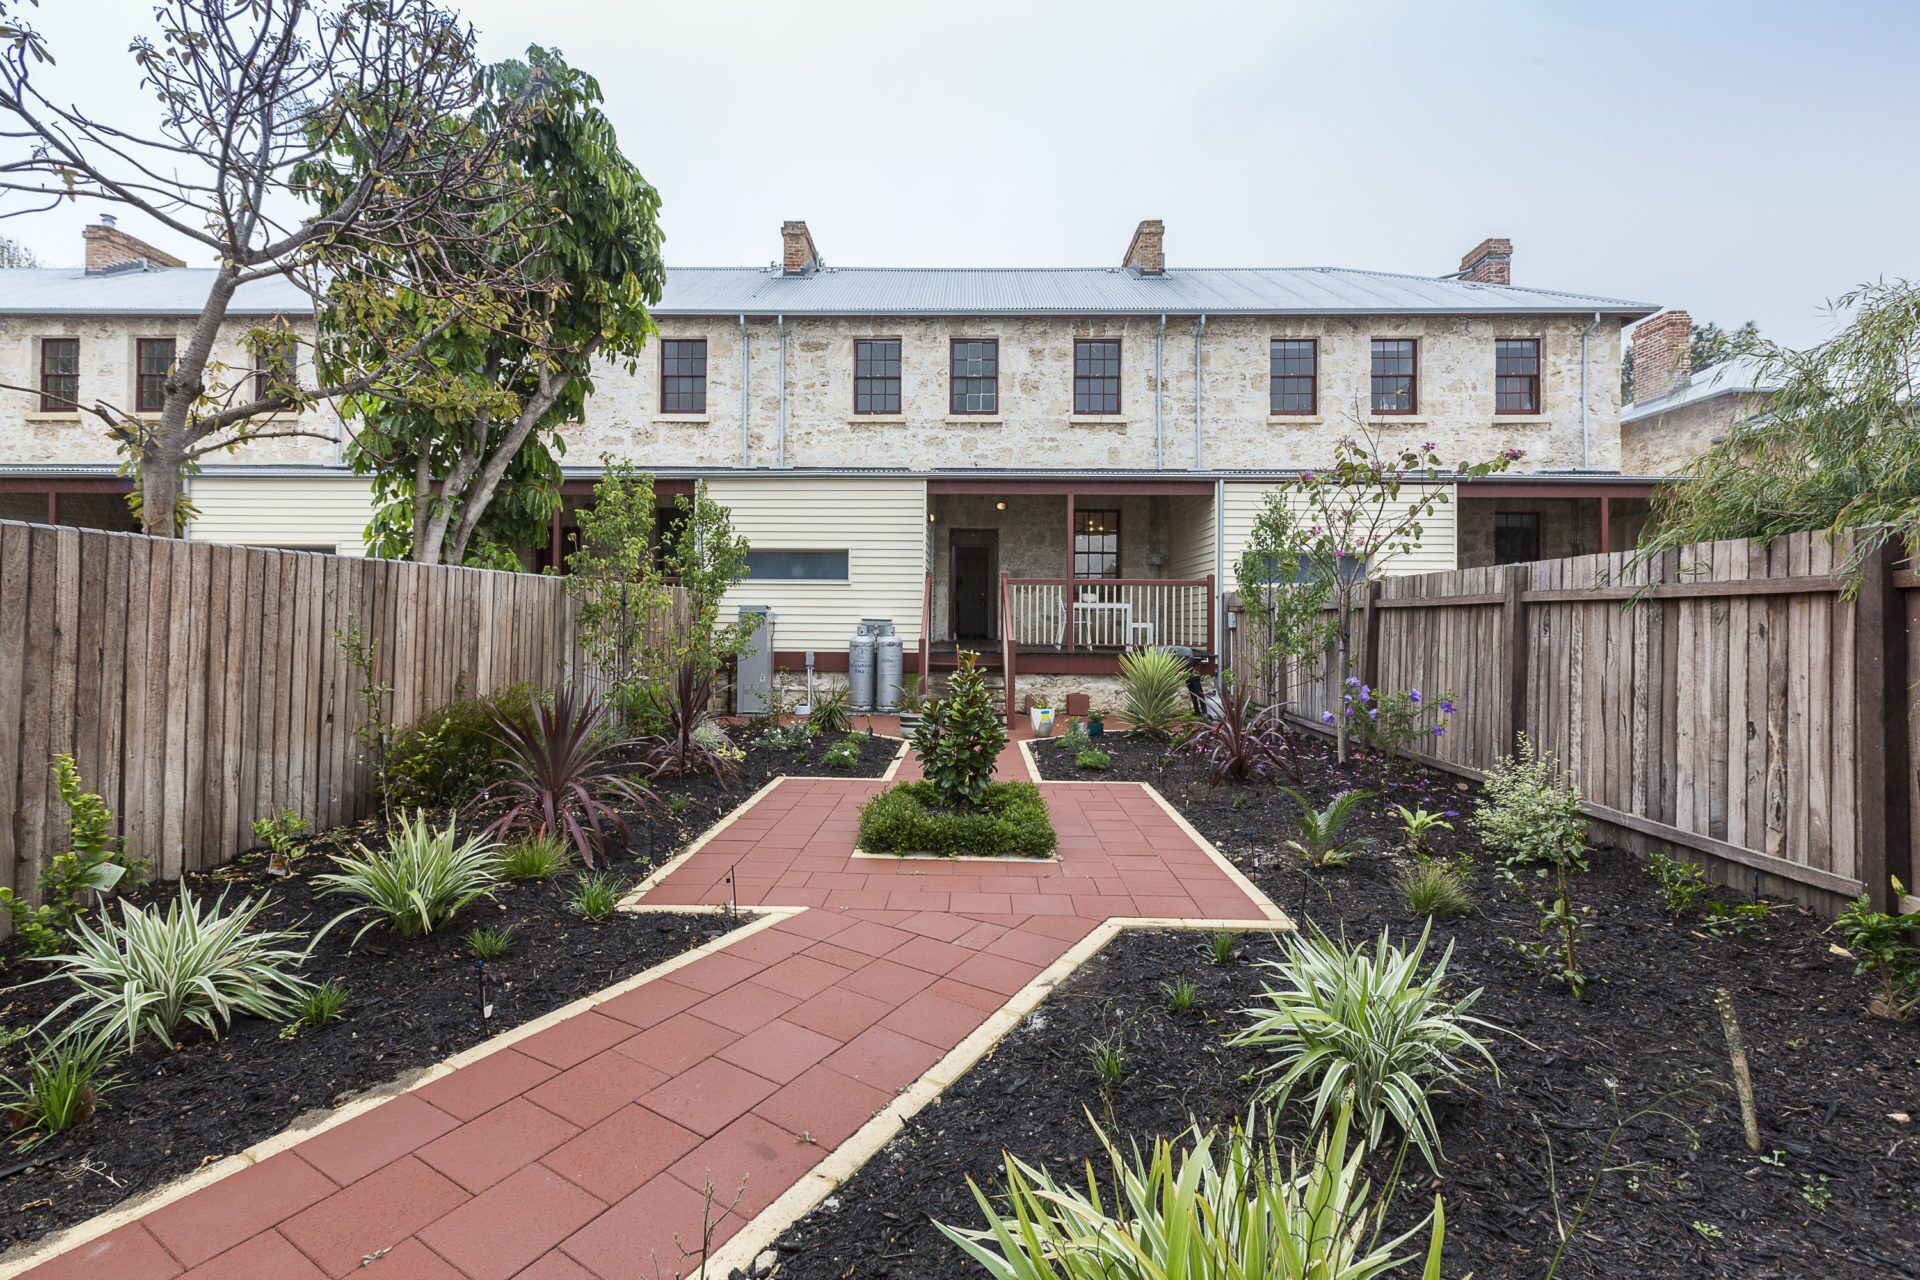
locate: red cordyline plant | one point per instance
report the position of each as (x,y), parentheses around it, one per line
(1245,744)
(561,776)
(679,752)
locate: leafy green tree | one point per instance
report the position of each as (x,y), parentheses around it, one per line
(15,254)
(960,737)
(1321,541)
(253,104)
(615,577)
(1837,447)
(705,558)
(461,476)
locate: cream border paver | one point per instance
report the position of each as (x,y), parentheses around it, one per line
(830,799)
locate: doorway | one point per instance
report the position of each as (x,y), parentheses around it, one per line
(973,565)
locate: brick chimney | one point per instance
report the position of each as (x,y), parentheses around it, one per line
(1489,262)
(108,246)
(1146,252)
(1661,357)
(797,254)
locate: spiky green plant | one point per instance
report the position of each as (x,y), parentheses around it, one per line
(65,1084)
(490,943)
(417,883)
(597,895)
(1349,1022)
(321,1005)
(1436,890)
(1320,841)
(1153,698)
(1223,946)
(1220,1207)
(194,965)
(1181,996)
(535,858)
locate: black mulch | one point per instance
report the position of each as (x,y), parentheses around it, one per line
(412,1002)
(1834,1193)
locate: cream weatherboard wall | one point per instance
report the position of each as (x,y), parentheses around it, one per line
(303,512)
(1438,549)
(881,523)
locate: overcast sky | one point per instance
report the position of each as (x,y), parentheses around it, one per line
(1741,160)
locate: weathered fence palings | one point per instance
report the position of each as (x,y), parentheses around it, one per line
(200,687)
(1735,697)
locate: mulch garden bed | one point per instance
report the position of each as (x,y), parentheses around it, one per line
(411,1002)
(1835,1191)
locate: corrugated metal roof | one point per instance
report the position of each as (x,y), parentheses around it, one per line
(176,291)
(1737,377)
(888,291)
(940,291)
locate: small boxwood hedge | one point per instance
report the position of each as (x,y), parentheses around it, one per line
(906,819)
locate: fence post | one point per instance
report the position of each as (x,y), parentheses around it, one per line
(1370,636)
(1513,613)
(1880,720)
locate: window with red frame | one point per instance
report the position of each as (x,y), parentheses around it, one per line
(1295,367)
(59,375)
(153,361)
(1396,375)
(1516,375)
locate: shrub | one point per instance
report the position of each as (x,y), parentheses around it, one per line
(709,735)
(1435,890)
(1417,828)
(321,1005)
(1216,1209)
(1680,885)
(1245,744)
(281,834)
(490,943)
(959,737)
(1320,842)
(597,895)
(1093,758)
(1530,815)
(193,966)
(1389,723)
(560,777)
(65,1082)
(832,711)
(451,755)
(1883,946)
(1153,699)
(1563,925)
(534,858)
(1074,740)
(844,754)
(908,818)
(794,735)
(93,863)
(419,881)
(680,752)
(1348,1022)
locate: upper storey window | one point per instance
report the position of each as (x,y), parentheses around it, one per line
(153,359)
(876,375)
(683,375)
(1294,376)
(976,376)
(1396,375)
(1096,375)
(1516,375)
(59,374)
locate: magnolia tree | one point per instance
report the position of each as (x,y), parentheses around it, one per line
(1320,542)
(257,107)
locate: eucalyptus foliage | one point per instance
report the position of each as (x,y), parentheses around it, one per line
(1346,1022)
(1836,447)
(1219,1206)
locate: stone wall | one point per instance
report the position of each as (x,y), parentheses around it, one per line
(1568,526)
(27,435)
(1660,445)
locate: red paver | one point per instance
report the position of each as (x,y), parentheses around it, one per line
(583,1150)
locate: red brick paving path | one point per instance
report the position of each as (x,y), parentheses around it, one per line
(583,1150)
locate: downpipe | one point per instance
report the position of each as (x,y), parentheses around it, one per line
(780,437)
(1586,411)
(746,397)
(1199,335)
(1159,398)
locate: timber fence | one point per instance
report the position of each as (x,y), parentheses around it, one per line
(1748,701)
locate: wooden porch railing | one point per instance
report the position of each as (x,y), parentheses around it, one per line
(1009,651)
(1108,613)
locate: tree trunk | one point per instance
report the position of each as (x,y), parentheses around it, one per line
(159,494)
(1344,667)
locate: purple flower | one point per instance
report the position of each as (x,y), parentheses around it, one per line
(1373,713)
(1453,813)
(1326,717)
(1366,694)
(1413,696)
(1353,679)
(1431,447)
(1446,706)
(1439,730)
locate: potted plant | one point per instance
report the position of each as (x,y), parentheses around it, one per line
(1040,712)
(1096,722)
(913,700)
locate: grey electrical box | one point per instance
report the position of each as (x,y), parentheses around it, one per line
(753,683)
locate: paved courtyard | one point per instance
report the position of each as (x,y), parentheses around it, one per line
(585,1150)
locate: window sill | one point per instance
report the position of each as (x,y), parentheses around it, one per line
(683,419)
(52,415)
(874,419)
(974,419)
(1397,420)
(1295,419)
(1518,418)
(1095,420)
